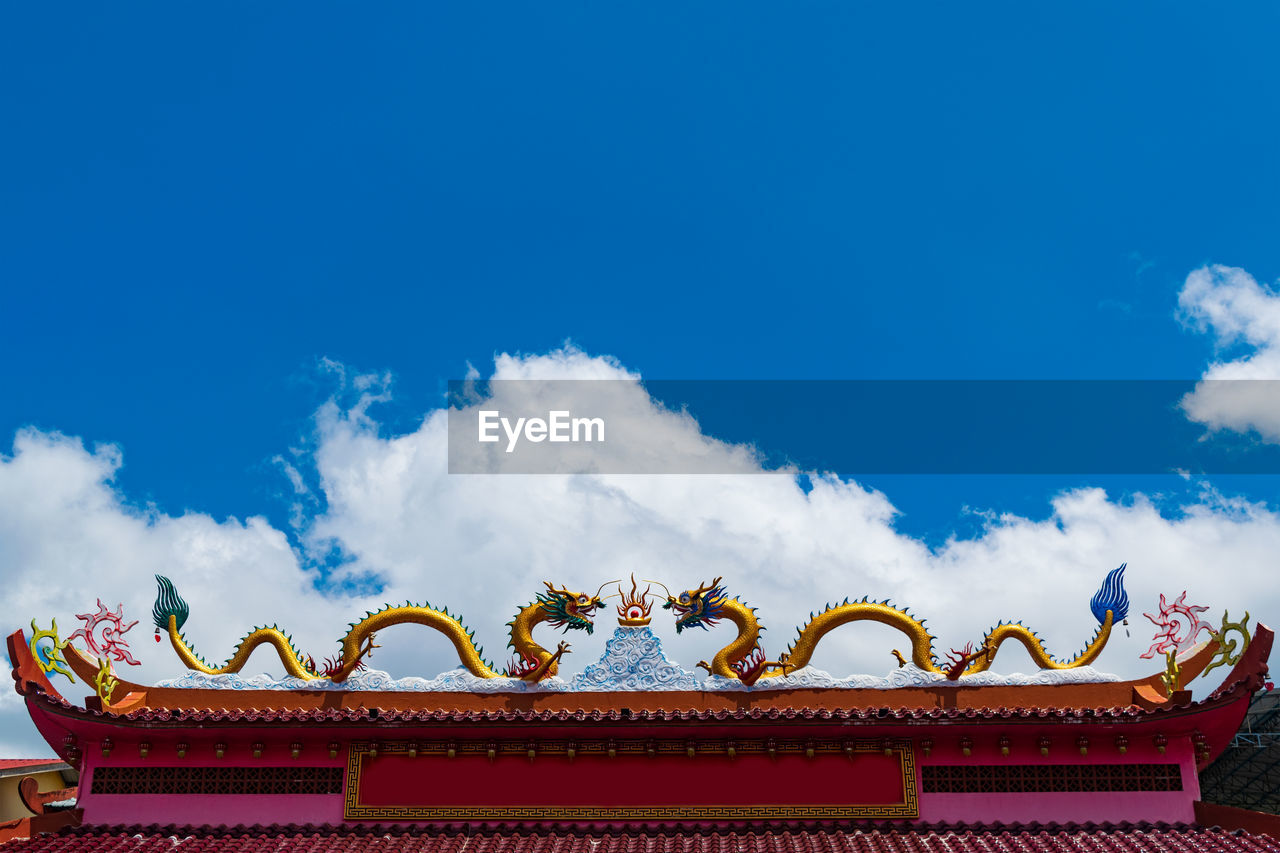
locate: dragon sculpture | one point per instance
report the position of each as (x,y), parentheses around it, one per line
(744,659)
(558,607)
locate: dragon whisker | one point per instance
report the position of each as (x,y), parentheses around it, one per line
(661,584)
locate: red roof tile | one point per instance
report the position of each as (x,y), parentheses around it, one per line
(853,715)
(1149,838)
(24,763)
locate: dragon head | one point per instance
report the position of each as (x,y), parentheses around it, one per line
(567,609)
(698,608)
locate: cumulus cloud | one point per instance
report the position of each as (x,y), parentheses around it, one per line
(1238,394)
(394,512)
(67,536)
(389,523)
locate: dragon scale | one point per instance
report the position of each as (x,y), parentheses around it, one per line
(801,650)
(709,603)
(748,638)
(469,654)
(1031,642)
(559,607)
(289,655)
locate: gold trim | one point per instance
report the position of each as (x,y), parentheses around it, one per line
(908,808)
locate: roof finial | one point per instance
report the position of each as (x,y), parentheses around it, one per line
(633,612)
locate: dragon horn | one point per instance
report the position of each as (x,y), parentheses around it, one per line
(709,587)
(606,583)
(663,585)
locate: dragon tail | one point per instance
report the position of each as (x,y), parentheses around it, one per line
(1111,596)
(170,614)
(1031,641)
(1109,605)
(168,604)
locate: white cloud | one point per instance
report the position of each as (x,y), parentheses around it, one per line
(68,537)
(482,544)
(396,513)
(1239,312)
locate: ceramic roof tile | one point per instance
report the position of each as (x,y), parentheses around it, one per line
(364,715)
(1137,838)
(11,764)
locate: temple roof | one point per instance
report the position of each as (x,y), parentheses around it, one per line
(26,766)
(589,710)
(1122,838)
(906,706)
(633,680)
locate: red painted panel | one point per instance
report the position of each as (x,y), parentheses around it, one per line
(870,778)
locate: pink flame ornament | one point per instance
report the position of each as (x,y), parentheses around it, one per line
(1172,621)
(110,643)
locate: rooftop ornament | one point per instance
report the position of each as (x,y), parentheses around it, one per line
(743,659)
(1177,626)
(634,611)
(1227,652)
(106,682)
(558,607)
(109,629)
(49,658)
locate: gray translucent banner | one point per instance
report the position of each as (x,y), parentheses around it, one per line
(863,427)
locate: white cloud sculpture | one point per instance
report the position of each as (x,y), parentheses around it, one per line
(483,544)
(1242,314)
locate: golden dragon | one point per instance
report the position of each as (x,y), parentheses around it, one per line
(559,607)
(744,659)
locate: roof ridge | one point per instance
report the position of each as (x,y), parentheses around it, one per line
(613,829)
(382,715)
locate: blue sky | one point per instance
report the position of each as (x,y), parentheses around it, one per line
(205,207)
(201,205)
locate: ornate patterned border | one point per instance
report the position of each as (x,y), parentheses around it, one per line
(353,809)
